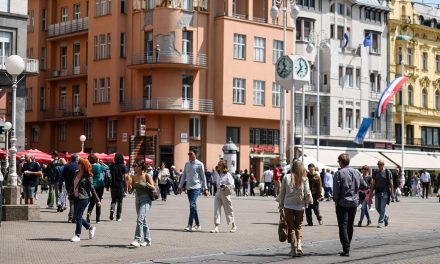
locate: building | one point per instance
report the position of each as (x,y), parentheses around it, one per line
(415,35)
(13,28)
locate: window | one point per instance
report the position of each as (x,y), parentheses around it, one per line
(399,97)
(148,81)
(437,63)
(148,46)
(64,11)
(95,91)
(121,90)
(122,45)
(76,11)
(239,47)
(410,95)
(278,50)
(42,99)
(108,90)
(101,90)
(358,78)
(348,118)
(43,20)
(35,135)
(109,46)
(103,7)
(341,76)
(76,58)
(194,127)
(340,123)
(430,136)
(62,101)
(139,126)
(259,49)
(63,58)
(409,56)
(112,129)
(4,5)
(28,102)
(88,129)
(262,136)
(372,82)
(437,100)
(258,93)
(424,98)
(102,46)
(304,27)
(276,95)
(187,5)
(96,48)
(123,7)
(309,116)
(150,4)
(306,3)
(399,55)
(5,46)
(340,9)
(425,61)
(187,43)
(349,77)
(43,59)
(358,118)
(239,91)
(375,41)
(233,133)
(62,132)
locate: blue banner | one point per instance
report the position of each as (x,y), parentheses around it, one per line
(363,129)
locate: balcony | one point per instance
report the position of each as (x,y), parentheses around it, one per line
(69,73)
(31,65)
(189,5)
(68,27)
(169,103)
(69,111)
(168,58)
(416,110)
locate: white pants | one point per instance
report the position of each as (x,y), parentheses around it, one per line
(223,198)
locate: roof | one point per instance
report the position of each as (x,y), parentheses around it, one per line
(427,11)
(374,4)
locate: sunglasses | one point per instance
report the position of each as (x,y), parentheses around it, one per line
(380,164)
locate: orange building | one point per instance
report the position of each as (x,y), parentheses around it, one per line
(195,73)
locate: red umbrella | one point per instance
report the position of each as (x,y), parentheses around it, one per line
(40,156)
(82,155)
(111,157)
(101,156)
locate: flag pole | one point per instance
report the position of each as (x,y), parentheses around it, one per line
(402,103)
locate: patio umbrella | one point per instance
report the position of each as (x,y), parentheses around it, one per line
(40,156)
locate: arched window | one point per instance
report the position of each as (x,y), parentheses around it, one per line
(437,100)
(410,95)
(424,98)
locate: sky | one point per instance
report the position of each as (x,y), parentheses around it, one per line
(435,2)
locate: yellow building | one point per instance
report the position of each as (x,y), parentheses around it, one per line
(415,40)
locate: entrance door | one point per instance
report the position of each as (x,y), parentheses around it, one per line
(186,46)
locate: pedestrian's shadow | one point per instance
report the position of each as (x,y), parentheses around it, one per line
(172,230)
(48,221)
(275,224)
(54,239)
(110,246)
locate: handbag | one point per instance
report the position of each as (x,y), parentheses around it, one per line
(282,227)
(152,194)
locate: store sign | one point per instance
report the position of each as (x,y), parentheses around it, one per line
(183,137)
(259,149)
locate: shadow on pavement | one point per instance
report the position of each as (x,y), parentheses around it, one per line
(54,239)
(110,246)
(264,224)
(49,221)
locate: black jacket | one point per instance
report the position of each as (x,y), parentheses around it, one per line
(86,190)
(69,173)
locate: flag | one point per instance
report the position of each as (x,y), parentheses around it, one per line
(363,129)
(388,93)
(367,40)
(346,39)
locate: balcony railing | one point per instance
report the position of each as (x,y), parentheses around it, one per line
(239,16)
(73,71)
(169,103)
(411,109)
(31,65)
(66,112)
(259,19)
(68,27)
(169,58)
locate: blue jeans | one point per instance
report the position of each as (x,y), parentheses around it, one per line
(143,205)
(364,212)
(328,191)
(193,194)
(80,207)
(381,202)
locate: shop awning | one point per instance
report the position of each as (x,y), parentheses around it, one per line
(414,160)
(263,155)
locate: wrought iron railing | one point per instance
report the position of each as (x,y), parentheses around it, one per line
(68,27)
(169,103)
(168,57)
(31,65)
(72,71)
(66,111)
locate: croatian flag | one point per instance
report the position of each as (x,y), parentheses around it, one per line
(388,93)
(346,39)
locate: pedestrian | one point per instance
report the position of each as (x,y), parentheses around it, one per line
(98,170)
(315,186)
(163,176)
(237,182)
(252,182)
(214,175)
(117,185)
(142,182)
(294,196)
(382,189)
(225,184)
(194,177)
(82,192)
(277,179)
(328,185)
(50,173)
(425,179)
(60,186)
(346,186)
(268,177)
(365,196)
(396,183)
(68,177)
(209,182)
(174,178)
(31,172)
(245,182)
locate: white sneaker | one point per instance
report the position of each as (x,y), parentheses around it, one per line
(233,229)
(197,228)
(119,220)
(215,230)
(92,232)
(187,228)
(145,244)
(75,239)
(135,243)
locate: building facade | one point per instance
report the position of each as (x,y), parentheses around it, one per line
(415,35)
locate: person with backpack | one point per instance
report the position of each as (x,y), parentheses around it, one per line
(117,185)
(382,189)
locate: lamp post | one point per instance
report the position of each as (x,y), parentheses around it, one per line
(14,66)
(294,11)
(317,42)
(82,138)
(7,127)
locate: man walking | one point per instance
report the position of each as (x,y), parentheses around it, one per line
(277,179)
(316,188)
(68,177)
(396,183)
(31,171)
(328,185)
(194,176)
(425,178)
(268,177)
(346,185)
(382,189)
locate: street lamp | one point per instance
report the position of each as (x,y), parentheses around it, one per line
(14,66)
(320,44)
(82,138)
(7,127)
(294,11)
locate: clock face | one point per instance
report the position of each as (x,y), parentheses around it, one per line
(301,68)
(284,67)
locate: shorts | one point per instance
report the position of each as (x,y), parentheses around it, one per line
(277,184)
(28,192)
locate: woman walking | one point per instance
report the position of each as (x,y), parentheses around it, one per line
(98,170)
(163,175)
(225,183)
(294,195)
(82,191)
(142,183)
(365,196)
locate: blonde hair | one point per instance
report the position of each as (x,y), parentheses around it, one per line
(222,167)
(299,173)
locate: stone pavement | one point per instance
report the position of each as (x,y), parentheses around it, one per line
(412,236)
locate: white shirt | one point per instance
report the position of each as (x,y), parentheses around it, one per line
(328,180)
(224,179)
(425,177)
(268,176)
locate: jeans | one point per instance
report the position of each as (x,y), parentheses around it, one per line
(267,185)
(380,201)
(209,186)
(193,194)
(80,207)
(328,192)
(143,205)
(117,196)
(163,191)
(395,194)
(71,209)
(345,217)
(99,192)
(425,186)
(252,189)
(364,212)
(315,208)
(245,188)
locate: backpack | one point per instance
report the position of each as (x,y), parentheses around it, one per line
(107,178)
